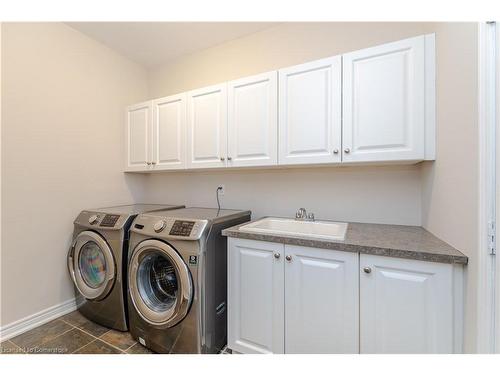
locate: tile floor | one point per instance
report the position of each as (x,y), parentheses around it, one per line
(72,333)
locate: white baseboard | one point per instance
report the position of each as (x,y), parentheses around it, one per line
(36,320)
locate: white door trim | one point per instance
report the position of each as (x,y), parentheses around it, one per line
(497,186)
(487,145)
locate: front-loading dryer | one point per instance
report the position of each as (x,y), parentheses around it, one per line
(97,261)
(178,279)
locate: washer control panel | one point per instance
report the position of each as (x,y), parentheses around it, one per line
(109,221)
(181,228)
(170,228)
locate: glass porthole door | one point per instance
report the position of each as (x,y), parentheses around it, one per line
(160,283)
(91,265)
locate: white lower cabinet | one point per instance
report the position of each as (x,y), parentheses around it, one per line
(409,306)
(321,301)
(294,299)
(255,296)
(291,299)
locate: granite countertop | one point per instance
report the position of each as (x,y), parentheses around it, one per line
(400,241)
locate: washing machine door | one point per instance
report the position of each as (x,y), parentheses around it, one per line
(160,284)
(91,265)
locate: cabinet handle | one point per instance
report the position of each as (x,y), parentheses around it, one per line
(154,163)
(222,159)
(367,270)
(229,158)
(148,163)
(336,151)
(347,150)
(288,258)
(277,255)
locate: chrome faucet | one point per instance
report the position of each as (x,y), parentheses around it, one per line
(302,215)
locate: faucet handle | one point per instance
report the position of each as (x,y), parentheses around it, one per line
(310,216)
(301,214)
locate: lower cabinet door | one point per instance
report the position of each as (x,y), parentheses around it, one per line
(406,306)
(255,296)
(321,301)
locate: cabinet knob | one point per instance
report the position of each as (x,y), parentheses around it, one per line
(148,163)
(229,158)
(336,151)
(277,255)
(222,159)
(347,150)
(367,270)
(154,163)
(288,258)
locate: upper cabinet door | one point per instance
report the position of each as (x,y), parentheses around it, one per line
(383,102)
(253,121)
(138,148)
(169,132)
(406,306)
(207,127)
(310,112)
(321,301)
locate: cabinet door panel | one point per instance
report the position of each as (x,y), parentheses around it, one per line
(310,112)
(207,127)
(383,96)
(321,301)
(138,136)
(255,296)
(253,120)
(169,132)
(406,306)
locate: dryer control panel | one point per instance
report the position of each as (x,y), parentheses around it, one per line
(101,220)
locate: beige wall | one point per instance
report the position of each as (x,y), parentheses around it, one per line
(373,195)
(445,200)
(63,100)
(450,190)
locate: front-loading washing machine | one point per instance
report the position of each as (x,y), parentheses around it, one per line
(177,277)
(97,261)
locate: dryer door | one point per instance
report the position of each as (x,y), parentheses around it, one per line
(161,288)
(91,265)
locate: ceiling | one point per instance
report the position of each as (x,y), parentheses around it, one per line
(154,43)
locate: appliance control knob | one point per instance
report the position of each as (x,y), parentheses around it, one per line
(159,226)
(93,219)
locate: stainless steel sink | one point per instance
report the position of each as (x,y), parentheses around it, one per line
(328,230)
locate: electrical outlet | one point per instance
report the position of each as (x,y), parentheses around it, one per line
(222,189)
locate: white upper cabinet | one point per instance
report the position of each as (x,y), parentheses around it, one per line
(207,127)
(310,112)
(384,102)
(374,105)
(253,121)
(169,132)
(321,301)
(407,306)
(138,136)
